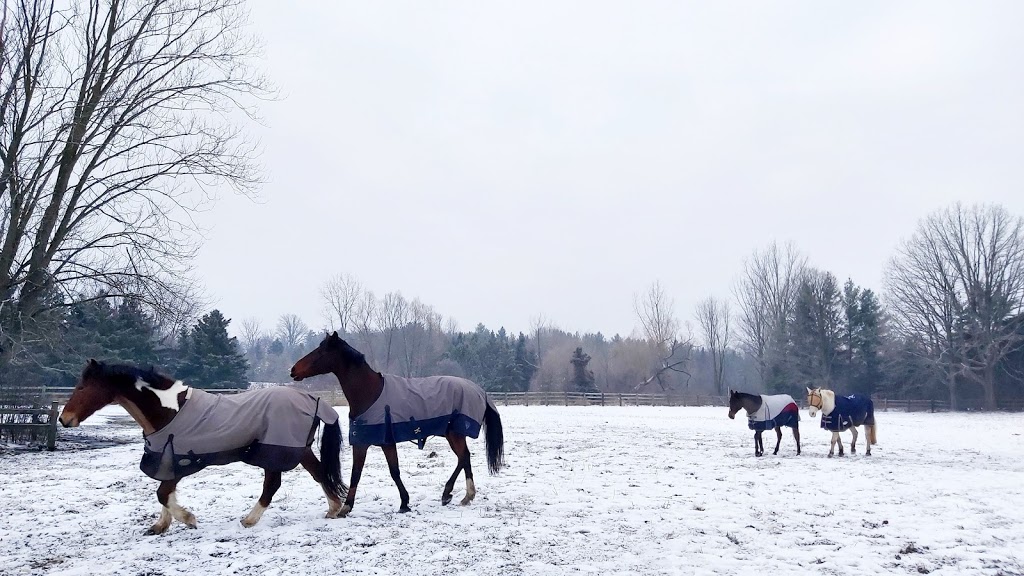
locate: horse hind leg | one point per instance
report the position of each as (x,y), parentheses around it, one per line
(470,484)
(312,465)
(271,483)
(778,440)
(796,436)
(458,445)
(170,510)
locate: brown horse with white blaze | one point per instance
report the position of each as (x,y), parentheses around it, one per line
(187,429)
(386,409)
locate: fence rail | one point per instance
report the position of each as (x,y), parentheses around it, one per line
(553,398)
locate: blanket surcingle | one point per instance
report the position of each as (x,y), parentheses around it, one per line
(417,408)
(852,410)
(269,428)
(775,412)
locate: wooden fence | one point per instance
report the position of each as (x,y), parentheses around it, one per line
(13,421)
(553,398)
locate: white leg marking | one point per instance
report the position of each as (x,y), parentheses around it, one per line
(180,514)
(254,515)
(470,492)
(345,509)
(162,523)
(853,443)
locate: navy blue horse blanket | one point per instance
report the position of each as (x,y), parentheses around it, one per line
(413,409)
(775,412)
(852,410)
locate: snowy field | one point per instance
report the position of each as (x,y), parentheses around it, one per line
(633,490)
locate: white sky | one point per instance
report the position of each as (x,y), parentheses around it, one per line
(500,161)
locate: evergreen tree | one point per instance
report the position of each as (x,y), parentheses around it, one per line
(210,358)
(582,377)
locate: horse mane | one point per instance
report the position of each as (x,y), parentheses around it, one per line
(351,355)
(104,370)
(828,400)
(747,394)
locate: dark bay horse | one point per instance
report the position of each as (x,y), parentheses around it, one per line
(841,413)
(386,409)
(766,413)
(187,429)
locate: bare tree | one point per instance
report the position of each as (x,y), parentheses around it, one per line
(113,130)
(656,312)
(392,314)
(766,293)
(364,317)
(341,295)
(956,288)
(252,332)
(713,318)
(538,324)
(291,330)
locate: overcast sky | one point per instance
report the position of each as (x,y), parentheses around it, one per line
(504,160)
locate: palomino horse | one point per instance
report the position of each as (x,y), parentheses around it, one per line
(187,429)
(766,413)
(386,409)
(839,413)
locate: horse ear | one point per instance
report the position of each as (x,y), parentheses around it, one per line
(93,362)
(334,335)
(809,390)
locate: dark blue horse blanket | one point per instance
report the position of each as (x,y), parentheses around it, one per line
(775,412)
(852,410)
(413,409)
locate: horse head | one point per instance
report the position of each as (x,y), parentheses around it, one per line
(333,354)
(92,392)
(735,404)
(820,399)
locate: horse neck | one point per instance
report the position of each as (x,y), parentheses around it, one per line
(360,385)
(144,406)
(828,401)
(750,402)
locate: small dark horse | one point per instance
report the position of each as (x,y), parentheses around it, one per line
(364,390)
(765,413)
(154,401)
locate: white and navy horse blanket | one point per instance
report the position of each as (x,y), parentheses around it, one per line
(775,412)
(269,428)
(413,409)
(852,410)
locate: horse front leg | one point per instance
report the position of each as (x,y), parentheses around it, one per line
(832,446)
(170,510)
(853,443)
(796,436)
(839,440)
(391,455)
(358,459)
(758,444)
(271,483)
(312,465)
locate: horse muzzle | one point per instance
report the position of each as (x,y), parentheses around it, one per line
(68,421)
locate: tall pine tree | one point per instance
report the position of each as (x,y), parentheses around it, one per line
(209,357)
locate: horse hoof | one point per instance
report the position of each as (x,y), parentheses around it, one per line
(776,453)
(156,530)
(446,499)
(829,455)
(465,501)
(248,523)
(403,509)
(344,511)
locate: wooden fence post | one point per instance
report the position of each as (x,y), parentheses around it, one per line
(602,398)
(933,405)
(566,398)
(51,432)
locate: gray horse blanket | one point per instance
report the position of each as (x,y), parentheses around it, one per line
(413,409)
(852,410)
(269,428)
(775,412)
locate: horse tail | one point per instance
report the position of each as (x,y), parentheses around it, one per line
(872,425)
(495,439)
(330,460)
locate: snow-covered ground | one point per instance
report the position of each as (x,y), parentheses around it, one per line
(632,490)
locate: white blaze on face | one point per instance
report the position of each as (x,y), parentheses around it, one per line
(168,398)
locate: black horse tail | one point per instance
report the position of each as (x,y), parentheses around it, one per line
(330,460)
(495,439)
